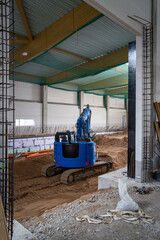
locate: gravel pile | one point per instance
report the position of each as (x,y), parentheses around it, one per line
(60,223)
(62,220)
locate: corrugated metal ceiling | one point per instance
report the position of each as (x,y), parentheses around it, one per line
(98,38)
(42,13)
(103,75)
(36,69)
(18,25)
(57,60)
(94,40)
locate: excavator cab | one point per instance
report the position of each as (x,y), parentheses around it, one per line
(65,136)
(70,153)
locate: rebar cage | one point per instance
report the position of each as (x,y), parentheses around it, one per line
(7,108)
(147,100)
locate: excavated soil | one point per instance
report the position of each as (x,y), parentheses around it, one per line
(35,194)
(113,147)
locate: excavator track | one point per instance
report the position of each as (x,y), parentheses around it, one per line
(52,170)
(78,174)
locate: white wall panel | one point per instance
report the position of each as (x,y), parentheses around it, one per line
(27,110)
(117,116)
(62,114)
(93,100)
(27,91)
(156,51)
(117,103)
(98,118)
(66,115)
(61,96)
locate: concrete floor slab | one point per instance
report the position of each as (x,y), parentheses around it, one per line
(20,232)
(111,179)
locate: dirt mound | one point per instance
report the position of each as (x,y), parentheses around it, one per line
(118,140)
(31,167)
(113,148)
(120,160)
(118,157)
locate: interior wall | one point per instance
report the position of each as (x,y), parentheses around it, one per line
(62,110)
(156,49)
(27,91)
(117,114)
(93,100)
(29,110)
(62,117)
(119,10)
(98,118)
(61,96)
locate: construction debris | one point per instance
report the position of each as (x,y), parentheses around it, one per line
(126,216)
(127,210)
(126,203)
(143,190)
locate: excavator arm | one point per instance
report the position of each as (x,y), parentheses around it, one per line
(83,125)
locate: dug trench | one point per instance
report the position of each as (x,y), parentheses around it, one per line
(34,194)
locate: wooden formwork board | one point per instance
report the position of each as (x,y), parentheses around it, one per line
(157,130)
(3,226)
(157,108)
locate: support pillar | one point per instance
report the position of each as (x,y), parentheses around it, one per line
(44,93)
(131,108)
(107,112)
(139,110)
(81,101)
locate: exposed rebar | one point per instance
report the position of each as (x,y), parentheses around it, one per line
(7,107)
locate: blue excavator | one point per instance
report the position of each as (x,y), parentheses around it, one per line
(75,154)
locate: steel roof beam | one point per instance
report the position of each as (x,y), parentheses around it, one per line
(117,91)
(18,36)
(40,77)
(29,75)
(57,32)
(24,18)
(95,66)
(19,41)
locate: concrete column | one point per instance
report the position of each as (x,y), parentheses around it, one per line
(81,101)
(156,71)
(126,107)
(131,108)
(44,93)
(139,110)
(107,111)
